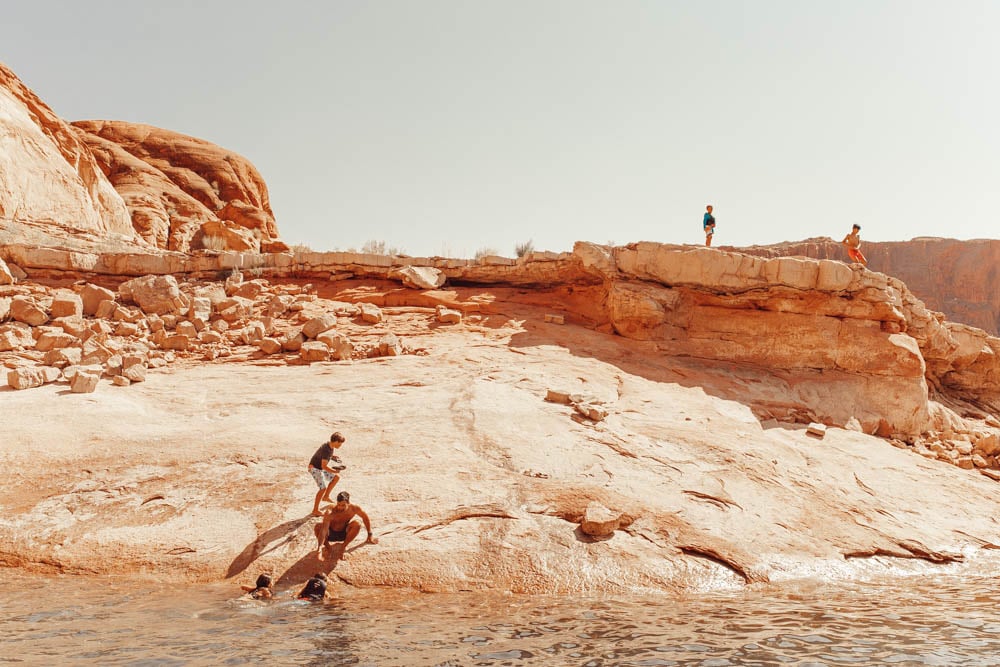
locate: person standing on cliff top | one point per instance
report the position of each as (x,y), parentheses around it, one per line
(324,468)
(708,224)
(339,525)
(853,244)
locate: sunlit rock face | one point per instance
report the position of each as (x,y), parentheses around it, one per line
(957,278)
(110,186)
(175,185)
(52,190)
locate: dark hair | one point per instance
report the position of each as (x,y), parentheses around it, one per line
(320,576)
(336,437)
(343,495)
(264,581)
(857,226)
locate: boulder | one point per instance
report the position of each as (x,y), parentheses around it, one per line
(599,521)
(419,277)
(156,295)
(340,345)
(134,367)
(28,377)
(314,351)
(176,342)
(293,341)
(92,297)
(370,313)
(447,315)
(389,346)
(66,304)
(62,357)
(269,345)
(51,340)
(15,336)
(84,383)
(314,327)
(27,310)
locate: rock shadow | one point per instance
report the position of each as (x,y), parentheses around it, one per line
(309,565)
(266,542)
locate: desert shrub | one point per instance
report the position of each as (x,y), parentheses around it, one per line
(522,249)
(217,243)
(379,248)
(484,252)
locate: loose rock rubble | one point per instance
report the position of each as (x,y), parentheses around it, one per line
(87,332)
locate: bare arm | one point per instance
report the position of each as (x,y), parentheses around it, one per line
(368,526)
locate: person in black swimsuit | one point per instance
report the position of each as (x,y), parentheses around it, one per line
(315,588)
(340,525)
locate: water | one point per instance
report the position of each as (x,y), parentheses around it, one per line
(914,621)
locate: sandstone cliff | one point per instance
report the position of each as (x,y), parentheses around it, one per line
(611,419)
(958,278)
(104,185)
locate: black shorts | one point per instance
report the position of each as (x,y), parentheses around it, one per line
(336,536)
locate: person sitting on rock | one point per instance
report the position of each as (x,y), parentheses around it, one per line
(315,588)
(324,467)
(340,525)
(262,589)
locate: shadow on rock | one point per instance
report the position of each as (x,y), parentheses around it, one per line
(309,565)
(265,543)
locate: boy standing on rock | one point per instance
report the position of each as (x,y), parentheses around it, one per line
(853,244)
(708,224)
(324,467)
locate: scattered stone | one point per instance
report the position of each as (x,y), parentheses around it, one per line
(555,319)
(293,341)
(93,296)
(120,381)
(66,304)
(28,377)
(599,521)
(389,346)
(339,344)
(448,315)
(176,342)
(554,396)
(419,277)
(816,429)
(370,313)
(314,327)
(314,351)
(24,309)
(155,294)
(83,383)
(590,411)
(269,345)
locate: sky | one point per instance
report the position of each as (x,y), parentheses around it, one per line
(451,127)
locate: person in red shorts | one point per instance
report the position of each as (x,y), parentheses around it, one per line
(853,244)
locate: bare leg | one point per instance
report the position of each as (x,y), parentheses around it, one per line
(353,528)
(319,497)
(320,530)
(708,241)
(329,488)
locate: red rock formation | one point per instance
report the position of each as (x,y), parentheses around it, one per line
(958,278)
(51,189)
(181,190)
(107,186)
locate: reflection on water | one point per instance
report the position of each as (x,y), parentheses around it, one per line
(935,621)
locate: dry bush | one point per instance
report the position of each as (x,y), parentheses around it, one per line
(484,252)
(522,249)
(217,243)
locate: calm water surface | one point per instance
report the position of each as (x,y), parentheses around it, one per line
(914,621)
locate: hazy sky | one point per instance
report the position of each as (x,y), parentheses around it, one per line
(445,127)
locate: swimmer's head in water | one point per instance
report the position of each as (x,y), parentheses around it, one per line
(264,581)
